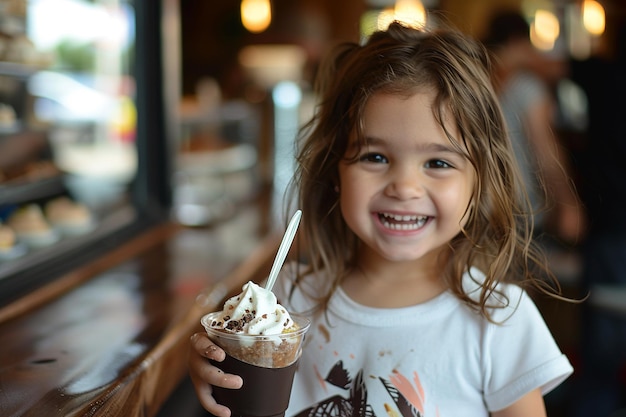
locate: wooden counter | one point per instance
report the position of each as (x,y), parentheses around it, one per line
(111,339)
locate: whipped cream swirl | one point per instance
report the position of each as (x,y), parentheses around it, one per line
(255,311)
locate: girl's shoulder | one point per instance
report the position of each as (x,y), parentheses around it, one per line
(504,300)
(474,280)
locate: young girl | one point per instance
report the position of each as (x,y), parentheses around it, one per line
(419,245)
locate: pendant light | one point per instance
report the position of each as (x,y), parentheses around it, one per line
(256,15)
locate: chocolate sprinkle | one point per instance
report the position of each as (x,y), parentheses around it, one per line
(233,325)
(238,325)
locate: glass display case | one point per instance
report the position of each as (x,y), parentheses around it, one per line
(83,142)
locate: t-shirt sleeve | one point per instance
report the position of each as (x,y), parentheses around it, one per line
(520,354)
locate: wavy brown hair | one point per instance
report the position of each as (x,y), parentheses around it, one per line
(498,236)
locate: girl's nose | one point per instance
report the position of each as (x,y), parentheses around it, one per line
(405,183)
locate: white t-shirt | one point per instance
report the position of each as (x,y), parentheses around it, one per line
(435,359)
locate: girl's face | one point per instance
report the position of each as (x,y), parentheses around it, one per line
(407,195)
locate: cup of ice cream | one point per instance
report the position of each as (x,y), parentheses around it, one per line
(263,343)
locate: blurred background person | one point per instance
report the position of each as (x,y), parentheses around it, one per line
(602,374)
(530,112)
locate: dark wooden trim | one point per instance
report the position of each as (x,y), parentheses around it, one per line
(78,276)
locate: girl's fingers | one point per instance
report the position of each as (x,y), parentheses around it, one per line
(204,392)
(204,347)
(204,375)
(202,369)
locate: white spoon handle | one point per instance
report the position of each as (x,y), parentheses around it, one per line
(283,249)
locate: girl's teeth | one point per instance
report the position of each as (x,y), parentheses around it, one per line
(402,222)
(400,218)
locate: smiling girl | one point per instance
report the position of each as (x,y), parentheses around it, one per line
(419,245)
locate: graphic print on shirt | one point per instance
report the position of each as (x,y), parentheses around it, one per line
(408,399)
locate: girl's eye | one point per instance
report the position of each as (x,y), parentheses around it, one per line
(373,157)
(437,163)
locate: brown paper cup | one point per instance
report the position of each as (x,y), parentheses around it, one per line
(267,365)
(265,391)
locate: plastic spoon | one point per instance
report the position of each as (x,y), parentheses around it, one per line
(283,249)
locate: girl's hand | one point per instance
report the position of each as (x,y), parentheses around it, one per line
(204,375)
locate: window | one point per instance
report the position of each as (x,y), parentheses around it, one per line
(83,158)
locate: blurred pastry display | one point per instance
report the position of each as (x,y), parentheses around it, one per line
(31,226)
(8,118)
(9,246)
(40,170)
(7,237)
(27,172)
(24,157)
(69,217)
